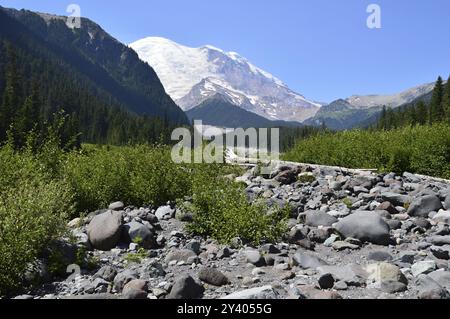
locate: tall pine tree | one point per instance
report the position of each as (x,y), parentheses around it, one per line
(446,101)
(436,109)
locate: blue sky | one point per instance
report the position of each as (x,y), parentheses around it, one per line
(320,48)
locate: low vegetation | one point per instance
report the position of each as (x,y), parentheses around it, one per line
(416,149)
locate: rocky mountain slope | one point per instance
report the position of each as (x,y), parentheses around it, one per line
(351,235)
(193,75)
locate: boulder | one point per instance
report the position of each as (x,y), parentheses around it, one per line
(430,289)
(396,199)
(442,217)
(254,257)
(165,213)
(447,202)
(138,233)
(441,277)
(316,219)
(107,273)
(123,278)
(423,206)
(365,226)
(441,252)
(213,277)
(185,287)
(104,230)
(135,289)
(180,255)
(386,277)
(423,267)
(307,261)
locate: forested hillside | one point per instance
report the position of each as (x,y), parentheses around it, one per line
(48,70)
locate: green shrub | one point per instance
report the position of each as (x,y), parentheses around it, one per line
(418,149)
(221,211)
(33,210)
(139,175)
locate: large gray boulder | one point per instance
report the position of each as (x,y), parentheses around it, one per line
(104,230)
(365,226)
(423,206)
(317,218)
(213,276)
(140,234)
(352,275)
(186,287)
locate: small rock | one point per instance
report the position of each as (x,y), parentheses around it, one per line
(185,287)
(326,281)
(213,277)
(117,206)
(261,293)
(165,213)
(423,267)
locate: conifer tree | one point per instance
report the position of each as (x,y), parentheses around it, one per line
(436,110)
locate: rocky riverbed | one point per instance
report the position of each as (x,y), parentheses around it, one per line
(351,235)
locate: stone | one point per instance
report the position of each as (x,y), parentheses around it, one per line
(352,274)
(138,233)
(117,206)
(396,199)
(441,277)
(165,213)
(430,289)
(423,267)
(315,294)
(319,235)
(340,285)
(316,219)
(326,281)
(104,230)
(387,206)
(441,252)
(439,240)
(123,278)
(213,277)
(365,226)
(185,287)
(195,246)
(307,261)
(386,277)
(107,273)
(447,202)
(260,293)
(442,217)
(379,255)
(135,289)
(179,255)
(343,245)
(254,257)
(423,206)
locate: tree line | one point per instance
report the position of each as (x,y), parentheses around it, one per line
(434,108)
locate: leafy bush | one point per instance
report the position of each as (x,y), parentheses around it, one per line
(418,149)
(33,210)
(221,211)
(139,175)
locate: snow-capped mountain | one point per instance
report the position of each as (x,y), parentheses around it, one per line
(392,101)
(193,75)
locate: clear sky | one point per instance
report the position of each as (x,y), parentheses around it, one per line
(320,48)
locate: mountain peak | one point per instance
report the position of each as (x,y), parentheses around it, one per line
(192,75)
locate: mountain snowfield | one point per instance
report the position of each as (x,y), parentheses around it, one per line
(193,75)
